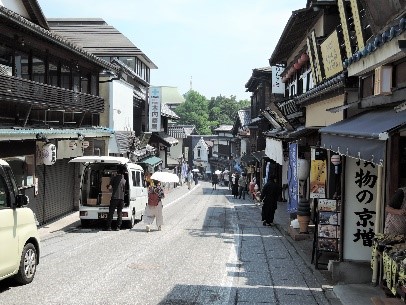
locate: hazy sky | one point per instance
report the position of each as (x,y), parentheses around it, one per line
(214,43)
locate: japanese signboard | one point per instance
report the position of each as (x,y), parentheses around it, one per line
(155,109)
(318,175)
(293,181)
(344,26)
(359,212)
(277,85)
(330,52)
(357,24)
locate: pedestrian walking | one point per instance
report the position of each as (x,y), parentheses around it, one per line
(252,188)
(195,177)
(214,181)
(153,210)
(234,186)
(269,195)
(117,183)
(242,186)
(189,179)
(226,179)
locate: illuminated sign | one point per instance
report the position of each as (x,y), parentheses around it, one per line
(330,52)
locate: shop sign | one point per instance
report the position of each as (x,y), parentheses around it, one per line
(293,181)
(277,85)
(316,59)
(318,176)
(330,52)
(48,154)
(357,24)
(310,53)
(360,209)
(344,26)
(154,109)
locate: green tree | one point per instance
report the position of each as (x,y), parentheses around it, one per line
(208,115)
(194,111)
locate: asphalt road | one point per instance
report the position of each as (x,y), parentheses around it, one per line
(213,249)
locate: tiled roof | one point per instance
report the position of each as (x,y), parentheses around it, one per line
(61,42)
(166,112)
(224,128)
(181,131)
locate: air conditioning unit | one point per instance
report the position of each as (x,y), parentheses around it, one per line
(383,80)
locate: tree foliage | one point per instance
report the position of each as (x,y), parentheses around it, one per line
(208,115)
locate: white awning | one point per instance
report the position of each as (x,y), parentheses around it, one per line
(274,150)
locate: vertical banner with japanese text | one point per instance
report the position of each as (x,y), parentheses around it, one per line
(277,85)
(155,109)
(359,212)
(293,181)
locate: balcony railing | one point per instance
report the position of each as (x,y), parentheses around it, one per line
(46,96)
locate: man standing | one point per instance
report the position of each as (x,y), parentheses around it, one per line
(269,195)
(117,183)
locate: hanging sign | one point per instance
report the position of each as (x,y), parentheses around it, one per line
(49,154)
(293,181)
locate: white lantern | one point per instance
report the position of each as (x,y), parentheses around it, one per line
(336,160)
(303,169)
(49,154)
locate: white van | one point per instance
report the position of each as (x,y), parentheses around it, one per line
(19,237)
(95,197)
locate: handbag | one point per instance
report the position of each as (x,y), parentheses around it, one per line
(153,199)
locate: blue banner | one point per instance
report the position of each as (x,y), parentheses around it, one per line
(293,181)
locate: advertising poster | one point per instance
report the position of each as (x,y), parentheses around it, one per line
(293,181)
(318,176)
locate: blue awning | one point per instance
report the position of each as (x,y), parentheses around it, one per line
(363,136)
(152,161)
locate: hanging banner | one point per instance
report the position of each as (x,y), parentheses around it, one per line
(293,181)
(360,206)
(318,176)
(277,85)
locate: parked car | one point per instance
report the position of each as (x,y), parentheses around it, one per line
(94,196)
(19,237)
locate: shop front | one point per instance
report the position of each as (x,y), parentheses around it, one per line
(365,148)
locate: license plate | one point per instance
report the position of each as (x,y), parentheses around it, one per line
(103,215)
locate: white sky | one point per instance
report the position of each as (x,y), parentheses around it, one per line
(216,43)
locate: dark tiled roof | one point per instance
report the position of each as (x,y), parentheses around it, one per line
(167,112)
(35,30)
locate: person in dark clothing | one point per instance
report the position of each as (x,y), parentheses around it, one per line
(117,183)
(214,181)
(269,195)
(234,186)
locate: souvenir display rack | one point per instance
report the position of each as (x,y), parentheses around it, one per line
(327,230)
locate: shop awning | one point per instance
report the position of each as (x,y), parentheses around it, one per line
(165,139)
(151,161)
(274,150)
(363,136)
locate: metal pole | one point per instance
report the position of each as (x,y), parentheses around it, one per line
(378,221)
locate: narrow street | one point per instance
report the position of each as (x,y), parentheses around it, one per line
(213,249)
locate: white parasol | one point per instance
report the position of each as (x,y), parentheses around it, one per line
(165,177)
(217,172)
(226,171)
(195,170)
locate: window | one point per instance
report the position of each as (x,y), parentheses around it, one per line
(65,77)
(136,177)
(4,193)
(38,70)
(52,74)
(22,65)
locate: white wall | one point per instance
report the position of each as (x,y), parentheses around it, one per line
(121,106)
(15,6)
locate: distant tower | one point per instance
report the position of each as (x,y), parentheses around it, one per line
(191,87)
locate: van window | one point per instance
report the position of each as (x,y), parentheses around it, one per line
(136,177)
(4,194)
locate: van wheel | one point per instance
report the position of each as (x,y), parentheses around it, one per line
(28,265)
(131,223)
